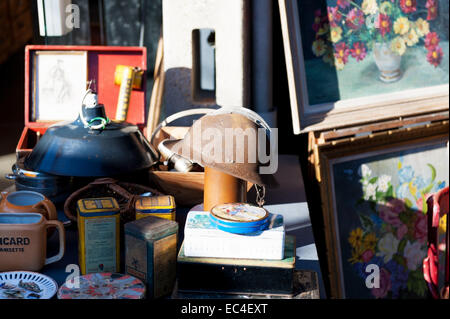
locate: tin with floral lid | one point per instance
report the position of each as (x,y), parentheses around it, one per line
(239,218)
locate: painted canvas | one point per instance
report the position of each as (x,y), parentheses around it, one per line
(359,48)
(380,213)
(352,62)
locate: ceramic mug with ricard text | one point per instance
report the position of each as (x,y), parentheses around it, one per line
(27,201)
(23,241)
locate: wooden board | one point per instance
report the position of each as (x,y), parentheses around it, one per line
(187,188)
(329,135)
(154,110)
(360,132)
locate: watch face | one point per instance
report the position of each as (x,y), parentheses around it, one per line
(239,212)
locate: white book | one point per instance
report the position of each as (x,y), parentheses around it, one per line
(203,239)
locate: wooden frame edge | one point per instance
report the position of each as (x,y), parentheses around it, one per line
(333,150)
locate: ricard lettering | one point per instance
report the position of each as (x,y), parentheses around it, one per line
(14,241)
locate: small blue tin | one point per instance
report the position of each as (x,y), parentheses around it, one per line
(239,218)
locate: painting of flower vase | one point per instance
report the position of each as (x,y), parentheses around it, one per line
(359,48)
(380,209)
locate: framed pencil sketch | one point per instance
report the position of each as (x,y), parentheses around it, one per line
(355,62)
(373,192)
(59,83)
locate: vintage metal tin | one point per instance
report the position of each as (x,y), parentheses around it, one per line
(239,218)
(157,206)
(103,286)
(151,253)
(99,235)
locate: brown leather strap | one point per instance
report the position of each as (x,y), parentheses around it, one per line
(120,190)
(112,184)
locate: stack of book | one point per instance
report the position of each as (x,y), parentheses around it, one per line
(203,239)
(215,261)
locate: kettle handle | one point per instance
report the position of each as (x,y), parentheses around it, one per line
(3,195)
(49,207)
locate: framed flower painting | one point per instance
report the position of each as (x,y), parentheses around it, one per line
(374,193)
(355,62)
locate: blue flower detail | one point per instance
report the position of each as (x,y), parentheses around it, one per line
(419,183)
(399,277)
(406,174)
(403,191)
(439,186)
(376,220)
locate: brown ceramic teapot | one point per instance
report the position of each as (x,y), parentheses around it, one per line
(29,202)
(23,241)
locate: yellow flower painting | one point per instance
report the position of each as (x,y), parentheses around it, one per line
(411,38)
(401,26)
(422,27)
(398,45)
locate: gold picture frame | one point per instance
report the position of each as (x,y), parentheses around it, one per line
(333,159)
(349,111)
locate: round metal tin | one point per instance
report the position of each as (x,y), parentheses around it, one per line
(103,286)
(239,218)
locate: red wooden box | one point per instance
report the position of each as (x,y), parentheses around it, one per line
(101,65)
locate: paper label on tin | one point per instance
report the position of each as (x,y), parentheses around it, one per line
(239,212)
(94,205)
(100,240)
(156,204)
(136,257)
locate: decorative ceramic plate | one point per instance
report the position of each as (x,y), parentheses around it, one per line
(103,286)
(26,285)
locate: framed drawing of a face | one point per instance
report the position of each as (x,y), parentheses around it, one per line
(374,193)
(59,83)
(354,62)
